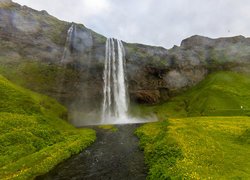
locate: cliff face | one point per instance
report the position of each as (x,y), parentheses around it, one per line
(34,52)
(32,44)
(158,74)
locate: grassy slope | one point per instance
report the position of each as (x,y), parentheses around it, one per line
(35,75)
(33,137)
(216,146)
(220,94)
(197,148)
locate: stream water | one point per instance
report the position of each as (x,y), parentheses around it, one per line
(114,155)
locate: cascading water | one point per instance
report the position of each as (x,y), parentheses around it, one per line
(115,101)
(66,51)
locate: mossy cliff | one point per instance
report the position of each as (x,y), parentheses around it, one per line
(32,45)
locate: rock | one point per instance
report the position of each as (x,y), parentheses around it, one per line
(146,96)
(176,80)
(5,2)
(196,41)
(34,42)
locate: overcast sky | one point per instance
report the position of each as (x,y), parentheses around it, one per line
(154,22)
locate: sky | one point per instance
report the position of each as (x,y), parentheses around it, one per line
(153,22)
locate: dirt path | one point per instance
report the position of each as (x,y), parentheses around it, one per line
(114,155)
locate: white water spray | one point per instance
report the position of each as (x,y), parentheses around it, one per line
(115,102)
(66,51)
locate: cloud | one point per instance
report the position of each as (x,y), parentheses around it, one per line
(78,10)
(162,22)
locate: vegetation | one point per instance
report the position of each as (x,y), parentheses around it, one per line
(197,148)
(33,136)
(108,127)
(220,94)
(203,133)
(160,149)
(35,75)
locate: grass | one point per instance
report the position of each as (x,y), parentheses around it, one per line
(161,150)
(220,94)
(42,77)
(203,133)
(108,127)
(15,99)
(197,148)
(33,136)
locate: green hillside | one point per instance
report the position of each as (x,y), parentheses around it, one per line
(197,148)
(42,77)
(189,146)
(220,94)
(33,135)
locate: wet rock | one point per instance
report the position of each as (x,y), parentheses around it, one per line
(146,96)
(153,73)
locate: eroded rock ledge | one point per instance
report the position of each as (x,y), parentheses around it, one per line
(30,38)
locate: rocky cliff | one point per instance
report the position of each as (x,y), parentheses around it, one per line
(35,53)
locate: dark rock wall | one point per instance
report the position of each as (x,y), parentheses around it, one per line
(154,74)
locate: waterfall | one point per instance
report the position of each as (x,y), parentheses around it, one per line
(115,101)
(66,51)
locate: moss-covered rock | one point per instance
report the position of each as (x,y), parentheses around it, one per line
(33,45)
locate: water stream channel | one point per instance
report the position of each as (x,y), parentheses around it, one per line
(114,155)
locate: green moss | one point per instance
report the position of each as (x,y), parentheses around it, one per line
(33,137)
(56,30)
(220,94)
(109,127)
(6,5)
(98,38)
(38,76)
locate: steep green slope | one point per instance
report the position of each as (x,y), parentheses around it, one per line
(33,137)
(201,147)
(43,77)
(223,93)
(15,99)
(220,94)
